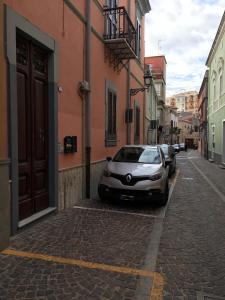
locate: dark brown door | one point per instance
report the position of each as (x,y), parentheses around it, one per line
(189,143)
(32,103)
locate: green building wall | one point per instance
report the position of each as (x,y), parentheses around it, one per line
(216,100)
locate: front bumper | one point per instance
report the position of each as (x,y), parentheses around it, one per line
(126,194)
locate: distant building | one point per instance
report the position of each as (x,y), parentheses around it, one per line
(158,68)
(188,125)
(187,101)
(170,129)
(150,118)
(202,113)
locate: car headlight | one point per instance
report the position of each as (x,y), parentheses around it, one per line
(155,176)
(106,173)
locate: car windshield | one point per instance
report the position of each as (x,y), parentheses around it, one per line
(138,155)
(165,149)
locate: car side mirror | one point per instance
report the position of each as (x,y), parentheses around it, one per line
(108,158)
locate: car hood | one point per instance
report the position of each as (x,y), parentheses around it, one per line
(136,169)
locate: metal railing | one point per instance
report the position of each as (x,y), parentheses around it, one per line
(118,25)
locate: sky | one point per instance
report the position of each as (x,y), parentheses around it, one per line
(183,31)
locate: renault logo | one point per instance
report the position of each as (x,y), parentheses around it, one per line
(128,178)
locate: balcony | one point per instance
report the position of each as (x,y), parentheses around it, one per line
(120,34)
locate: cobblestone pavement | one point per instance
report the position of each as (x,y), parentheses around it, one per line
(126,250)
(192,248)
(101,237)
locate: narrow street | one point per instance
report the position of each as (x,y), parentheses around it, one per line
(127,250)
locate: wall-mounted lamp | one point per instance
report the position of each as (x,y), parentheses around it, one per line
(147,82)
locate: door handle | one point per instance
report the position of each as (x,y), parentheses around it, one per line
(41,135)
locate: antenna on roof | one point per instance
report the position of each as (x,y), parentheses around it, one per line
(159,46)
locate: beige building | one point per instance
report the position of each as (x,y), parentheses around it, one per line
(188,130)
(185,102)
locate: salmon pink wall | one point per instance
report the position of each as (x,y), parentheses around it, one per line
(68,31)
(62,24)
(102,71)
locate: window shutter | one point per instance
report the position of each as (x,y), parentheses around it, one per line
(111,118)
(110,113)
(114,116)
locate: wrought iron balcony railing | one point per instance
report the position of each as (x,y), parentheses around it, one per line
(120,34)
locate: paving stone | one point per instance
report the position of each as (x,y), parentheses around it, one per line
(191,254)
(192,249)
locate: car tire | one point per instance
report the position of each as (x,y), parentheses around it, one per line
(174,169)
(101,194)
(163,198)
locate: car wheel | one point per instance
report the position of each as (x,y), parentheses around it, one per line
(101,194)
(163,198)
(174,168)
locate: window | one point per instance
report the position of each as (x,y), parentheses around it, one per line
(112,19)
(214,90)
(214,80)
(112,3)
(111,119)
(138,39)
(220,73)
(158,88)
(138,31)
(221,84)
(136,124)
(138,155)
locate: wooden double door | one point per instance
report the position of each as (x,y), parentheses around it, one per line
(32,113)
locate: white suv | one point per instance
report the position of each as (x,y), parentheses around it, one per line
(136,172)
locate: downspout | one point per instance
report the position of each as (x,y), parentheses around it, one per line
(128,93)
(88,99)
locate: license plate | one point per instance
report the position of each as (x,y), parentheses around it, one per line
(126,197)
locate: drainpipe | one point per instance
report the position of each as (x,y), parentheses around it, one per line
(128,93)
(88,99)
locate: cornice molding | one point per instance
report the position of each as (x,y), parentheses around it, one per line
(144,6)
(217,40)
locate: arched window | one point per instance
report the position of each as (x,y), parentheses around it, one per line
(221,76)
(221,83)
(214,76)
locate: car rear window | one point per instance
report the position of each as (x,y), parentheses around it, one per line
(138,155)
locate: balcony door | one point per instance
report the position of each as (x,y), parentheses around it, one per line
(32,103)
(112,19)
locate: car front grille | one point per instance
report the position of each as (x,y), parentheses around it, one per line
(132,182)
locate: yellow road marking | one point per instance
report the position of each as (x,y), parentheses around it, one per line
(157,288)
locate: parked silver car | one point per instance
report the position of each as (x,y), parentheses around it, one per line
(170,157)
(176,148)
(136,172)
(182,146)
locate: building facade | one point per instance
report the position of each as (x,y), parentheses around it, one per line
(185,102)
(170,129)
(202,114)
(158,69)
(150,123)
(216,96)
(188,125)
(65,97)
